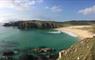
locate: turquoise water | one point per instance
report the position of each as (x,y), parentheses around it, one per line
(11,38)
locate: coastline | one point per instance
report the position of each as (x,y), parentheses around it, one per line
(77,31)
(69,33)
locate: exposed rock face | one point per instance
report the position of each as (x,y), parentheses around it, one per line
(34,24)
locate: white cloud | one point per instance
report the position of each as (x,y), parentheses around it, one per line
(6,4)
(55,9)
(5,16)
(13,8)
(87,11)
(19,5)
(4,13)
(26,3)
(39,1)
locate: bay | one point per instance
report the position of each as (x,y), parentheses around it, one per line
(11,38)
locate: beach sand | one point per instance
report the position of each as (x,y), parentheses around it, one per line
(77,31)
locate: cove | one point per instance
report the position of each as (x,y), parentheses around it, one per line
(12,38)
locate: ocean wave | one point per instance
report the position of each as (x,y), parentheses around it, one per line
(70,33)
(55,32)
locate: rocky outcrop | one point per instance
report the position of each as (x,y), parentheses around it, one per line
(41,53)
(34,24)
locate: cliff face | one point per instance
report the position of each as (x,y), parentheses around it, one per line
(85,50)
(34,24)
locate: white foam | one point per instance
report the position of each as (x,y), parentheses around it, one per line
(70,33)
(55,32)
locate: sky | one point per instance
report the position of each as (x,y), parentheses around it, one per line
(52,10)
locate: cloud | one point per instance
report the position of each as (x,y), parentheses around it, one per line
(87,11)
(26,3)
(17,8)
(6,4)
(19,4)
(55,9)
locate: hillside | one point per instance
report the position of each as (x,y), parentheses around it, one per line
(82,50)
(84,22)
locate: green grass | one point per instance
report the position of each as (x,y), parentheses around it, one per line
(85,50)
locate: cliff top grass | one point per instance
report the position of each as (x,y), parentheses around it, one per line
(81,51)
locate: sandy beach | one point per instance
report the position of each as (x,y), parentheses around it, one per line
(77,31)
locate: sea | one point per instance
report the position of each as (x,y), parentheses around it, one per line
(14,38)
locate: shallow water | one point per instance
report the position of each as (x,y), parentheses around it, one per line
(12,38)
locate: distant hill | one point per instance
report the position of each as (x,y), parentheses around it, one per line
(80,22)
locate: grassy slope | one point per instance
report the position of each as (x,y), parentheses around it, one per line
(83,50)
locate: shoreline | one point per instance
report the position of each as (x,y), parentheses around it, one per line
(70,33)
(77,31)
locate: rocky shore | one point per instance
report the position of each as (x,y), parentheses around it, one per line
(41,53)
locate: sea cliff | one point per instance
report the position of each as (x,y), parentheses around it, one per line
(34,24)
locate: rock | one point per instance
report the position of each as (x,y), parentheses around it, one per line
(34,24)
(27,57)
(8,53)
